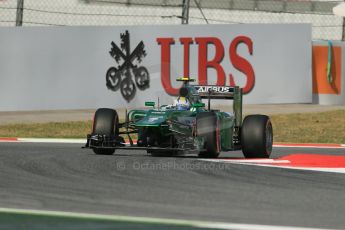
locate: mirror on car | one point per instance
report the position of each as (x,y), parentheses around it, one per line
(199,105)
(150,103)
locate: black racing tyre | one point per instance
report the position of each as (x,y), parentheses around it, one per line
(105,122)
(257,136)
(207,126)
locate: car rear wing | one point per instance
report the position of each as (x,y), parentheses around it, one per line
(215,92)
(223,92)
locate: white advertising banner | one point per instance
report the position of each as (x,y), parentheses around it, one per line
(45,68)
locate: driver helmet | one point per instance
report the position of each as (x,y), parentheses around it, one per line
(182,103)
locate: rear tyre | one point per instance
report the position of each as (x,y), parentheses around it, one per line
(106,122)
(257,136)
(207,126)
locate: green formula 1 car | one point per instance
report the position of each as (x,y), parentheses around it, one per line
(167,130)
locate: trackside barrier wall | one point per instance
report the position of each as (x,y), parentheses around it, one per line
(328,73)
(46,68)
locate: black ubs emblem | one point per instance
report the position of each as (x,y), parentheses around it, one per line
(125,73)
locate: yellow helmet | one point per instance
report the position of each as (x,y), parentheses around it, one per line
(182,103)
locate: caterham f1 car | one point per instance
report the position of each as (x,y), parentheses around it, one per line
(167,130)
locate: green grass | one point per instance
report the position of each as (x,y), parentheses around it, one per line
(73,129)
(325,127)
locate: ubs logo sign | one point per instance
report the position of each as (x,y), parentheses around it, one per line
(123,75)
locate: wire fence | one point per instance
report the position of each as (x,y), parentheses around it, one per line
(151,12)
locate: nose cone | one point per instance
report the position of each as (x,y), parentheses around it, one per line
(152,119)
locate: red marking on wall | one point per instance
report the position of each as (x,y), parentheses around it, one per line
(205,63)
(320,62)
(241,63)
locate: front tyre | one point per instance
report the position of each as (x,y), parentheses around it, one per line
(257,136)
(106,122)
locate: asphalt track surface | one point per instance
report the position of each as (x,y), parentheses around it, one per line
(63,177)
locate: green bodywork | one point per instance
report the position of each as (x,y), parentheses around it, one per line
(166,121)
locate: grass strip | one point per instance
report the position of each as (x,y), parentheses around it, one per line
(325,127)
(71,129)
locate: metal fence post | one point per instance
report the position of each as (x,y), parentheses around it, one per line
(343,29)
(185,11)
(20,9)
